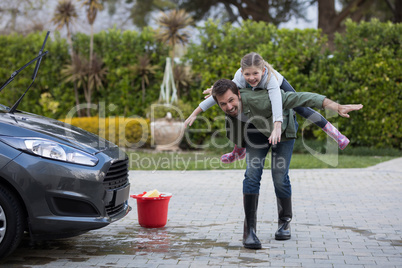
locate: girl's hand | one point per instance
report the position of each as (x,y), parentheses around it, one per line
(208,92)
(276,133)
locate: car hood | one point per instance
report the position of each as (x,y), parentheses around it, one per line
(22,124)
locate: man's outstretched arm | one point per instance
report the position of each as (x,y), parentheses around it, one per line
(307,99)
(342,110)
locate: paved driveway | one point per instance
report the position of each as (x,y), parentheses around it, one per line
(342,218)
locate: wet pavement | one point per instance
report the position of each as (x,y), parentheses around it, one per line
(342,218)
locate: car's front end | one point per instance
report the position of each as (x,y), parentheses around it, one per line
(70,181)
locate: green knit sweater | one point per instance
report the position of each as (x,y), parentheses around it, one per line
(257,107)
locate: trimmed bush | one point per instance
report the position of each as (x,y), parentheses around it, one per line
(367,68)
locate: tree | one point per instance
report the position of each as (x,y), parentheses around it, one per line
(272,11)
(64,16)
(144,69)
(331,21)
(96,76)
(141,10)
(183,77)
(11,9)
(92,7)
(76,71)
(89,76)
(172,28)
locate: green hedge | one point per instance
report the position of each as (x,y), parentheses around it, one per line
(367,68)
(364,68)
(15,51)
(119,51)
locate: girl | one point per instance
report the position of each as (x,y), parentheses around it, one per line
(257,73)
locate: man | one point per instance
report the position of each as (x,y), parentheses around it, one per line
(249,124)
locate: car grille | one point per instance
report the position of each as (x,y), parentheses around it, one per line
(114,210)
(116,177)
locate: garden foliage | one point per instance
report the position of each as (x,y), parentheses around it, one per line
(365,67)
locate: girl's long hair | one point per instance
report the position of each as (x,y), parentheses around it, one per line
(255,60)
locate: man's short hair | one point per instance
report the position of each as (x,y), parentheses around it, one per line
(223,85)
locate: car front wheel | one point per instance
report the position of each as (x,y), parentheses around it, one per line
(11,222)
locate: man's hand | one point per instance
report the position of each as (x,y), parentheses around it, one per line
(190,120)
(342,110)
(276,133)
(208,91)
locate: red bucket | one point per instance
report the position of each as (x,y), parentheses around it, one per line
(152,211)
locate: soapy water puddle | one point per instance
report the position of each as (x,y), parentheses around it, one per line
(173,242)
(170,242)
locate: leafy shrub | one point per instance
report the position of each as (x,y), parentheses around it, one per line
(367,68)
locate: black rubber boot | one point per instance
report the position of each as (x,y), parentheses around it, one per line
(250,239)
(284,218)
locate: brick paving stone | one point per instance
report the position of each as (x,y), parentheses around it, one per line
(342,218)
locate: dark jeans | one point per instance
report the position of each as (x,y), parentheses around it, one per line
(257,147)
(308,113)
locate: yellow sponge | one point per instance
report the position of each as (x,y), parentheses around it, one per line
(153,193)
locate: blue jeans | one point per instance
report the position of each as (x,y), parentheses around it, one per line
(257,147)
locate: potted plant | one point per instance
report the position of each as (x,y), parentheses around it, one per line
(168,114)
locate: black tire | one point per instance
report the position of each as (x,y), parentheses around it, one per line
(11,222)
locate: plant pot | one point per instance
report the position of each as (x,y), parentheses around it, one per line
(167,134)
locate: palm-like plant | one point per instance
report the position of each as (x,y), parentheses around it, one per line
(96,76)
(65,16)
(89,76)
(144,69)
(182,77)
(77,71)
(92,7)
(172,28)
(95,73)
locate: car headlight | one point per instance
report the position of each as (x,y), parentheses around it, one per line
(51,149)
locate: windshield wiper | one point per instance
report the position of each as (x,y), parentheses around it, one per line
(13,75)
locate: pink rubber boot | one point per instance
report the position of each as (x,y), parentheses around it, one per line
(236,154)
(334,133)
